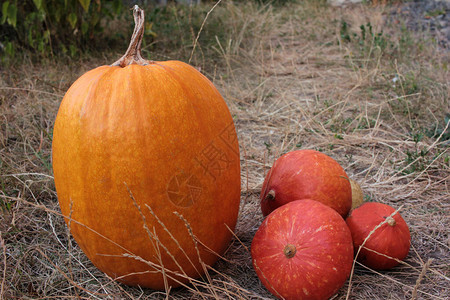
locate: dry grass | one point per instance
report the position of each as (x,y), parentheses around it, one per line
(289,84)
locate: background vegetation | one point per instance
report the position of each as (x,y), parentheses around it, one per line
(71,27)
(295,74)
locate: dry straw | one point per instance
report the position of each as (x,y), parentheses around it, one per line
(292,80)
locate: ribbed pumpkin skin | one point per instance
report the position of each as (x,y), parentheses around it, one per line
(163,134)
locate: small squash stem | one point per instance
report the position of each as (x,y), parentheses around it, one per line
(270,195)
(289,251)
(133,54)
(391,221)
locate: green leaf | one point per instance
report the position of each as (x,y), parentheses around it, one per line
(84,27)
(73,50)
(63,49)
(95,19)
(117,6)
(85,4)
(4,11)
(30,38)
(58,14)
(41,46)
(38,4)
(149,30)
(72,18)
(12,15)
(9,49)
(46,36)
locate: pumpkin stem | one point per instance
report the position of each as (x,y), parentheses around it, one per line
(391,221)
(270,195)
(290,251)
(133,54)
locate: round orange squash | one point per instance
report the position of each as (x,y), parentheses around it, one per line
(147,170)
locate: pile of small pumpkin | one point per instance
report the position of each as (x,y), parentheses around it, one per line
(305,247)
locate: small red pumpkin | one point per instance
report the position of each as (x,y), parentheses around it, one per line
(306,174)
(392,239)
(303,250)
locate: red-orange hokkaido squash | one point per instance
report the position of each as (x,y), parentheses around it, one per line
(387,245)
(147,144)
(306,174)
(303,250)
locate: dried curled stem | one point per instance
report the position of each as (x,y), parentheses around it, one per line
(133,54)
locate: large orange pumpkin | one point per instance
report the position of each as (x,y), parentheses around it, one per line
(147,170)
